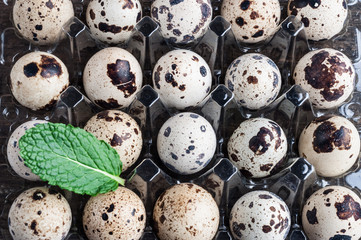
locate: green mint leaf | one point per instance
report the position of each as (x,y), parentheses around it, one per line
(71,158)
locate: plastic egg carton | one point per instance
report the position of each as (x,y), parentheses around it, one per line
(292,110)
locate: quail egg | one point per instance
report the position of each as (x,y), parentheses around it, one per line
(252,21)
(121,131)
(186,143)
(112,77)
(260,215)
(185,211)
(13,151)
(254,79)
(37,79)
(327,75)
(39,213)
(112,22)
(41,22)
(322,19)
(182,21)
(182,78)
(332,212)
(114,215)
(257,147)
(331,144)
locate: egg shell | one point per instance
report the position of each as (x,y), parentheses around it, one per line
(111,21)
(41,22)
(13,151)
(186,143)
(37,79)
(254,79)
(331,144)
(121,131)
(260,215)
(114,215)
(39,213)
(322,19)
(257,147)
(252,21)
(185,211)
(112,77)
(182,79)
(332,212)
(327,75)
(182,21)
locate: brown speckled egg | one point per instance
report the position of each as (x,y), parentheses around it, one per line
(332,212)
(114,215)
(331,144)
(260,215)
(112,21)
(112,77)
(41,22)
(257,147)
(39,213)
(182,21)
(322,19)
(254,79)
(37,79)
(252,21)
(185,211)
(182,78)
(327,75)
(121,131)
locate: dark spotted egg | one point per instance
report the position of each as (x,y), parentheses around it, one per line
(254,79)
(13,151)
(37,79)
(186,211)
(186,143)
(332,212)
(182,78)
(252,21)
(119,214)
(327,75)
(41,22)
(112,21)
(260,215)
(322,19)
(182,21)
(112,77)
(331,144)
(120,131)
(257,147)
(39,213)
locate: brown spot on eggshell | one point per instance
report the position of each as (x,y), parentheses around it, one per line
(311,216)
(245,5)
(266,228)
(122,77)
(118,140)
(348,208)
(31,69)
(266,167)
(49,4)
(128,4)
(104,27)
(110,103)
(265,196)
(49,67)
(258,144)
(237,228)
(254,15)
(252,80)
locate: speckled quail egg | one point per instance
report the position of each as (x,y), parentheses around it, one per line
(327,75)
(260,215)
(257,147)
(41,22)
(185,211)
(121,131)
(182,21)
(114,215)
(37,79)
(13,151)
(331,144)
(112,22)
(252,21)
(254,79)
(182,78)
(322,19)
(332,212)
(112,77)
(39,213)
(186,143)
